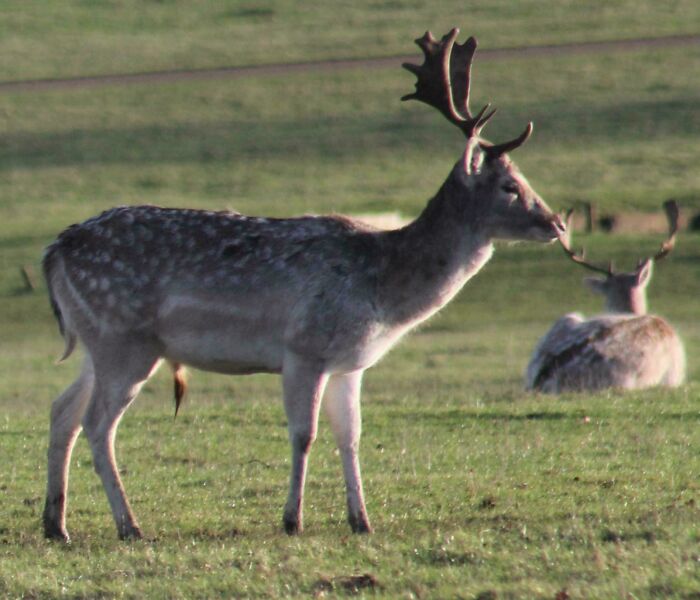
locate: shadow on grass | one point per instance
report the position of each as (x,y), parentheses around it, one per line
(460,416)
(318,137)
(533,416)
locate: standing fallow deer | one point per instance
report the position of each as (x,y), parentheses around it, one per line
(625,347)
(316,299)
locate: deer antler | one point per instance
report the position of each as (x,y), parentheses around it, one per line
(672,212)
(579,257)
(443,80)
(495,150)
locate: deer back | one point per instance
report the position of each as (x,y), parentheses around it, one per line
(135,269)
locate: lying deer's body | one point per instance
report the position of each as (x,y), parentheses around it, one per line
(317,299)
(623,351)
(625,348)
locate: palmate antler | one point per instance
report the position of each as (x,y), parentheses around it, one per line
(443,83)
(672,214)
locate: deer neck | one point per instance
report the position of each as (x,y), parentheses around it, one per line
(635,303)
(434,256)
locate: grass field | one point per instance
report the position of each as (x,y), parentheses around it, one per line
(83,37)
(475,489)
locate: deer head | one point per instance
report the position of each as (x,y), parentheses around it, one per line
(506,207)
(625,292)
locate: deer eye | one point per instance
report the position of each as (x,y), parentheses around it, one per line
(511,188)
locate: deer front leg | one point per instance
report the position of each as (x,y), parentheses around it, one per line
(303,384)
(342,403)
(66,413)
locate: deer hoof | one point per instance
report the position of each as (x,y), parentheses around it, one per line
(292,526)
(132,533)
(54,532)
(359,524)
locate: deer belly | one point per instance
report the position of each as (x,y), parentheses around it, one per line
(224,340)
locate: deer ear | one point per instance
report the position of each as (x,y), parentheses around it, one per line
(595,284)
(644,272)
(473,157)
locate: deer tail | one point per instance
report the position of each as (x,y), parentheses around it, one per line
(67,333)
(180,387)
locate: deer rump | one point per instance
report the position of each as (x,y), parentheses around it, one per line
(611,351)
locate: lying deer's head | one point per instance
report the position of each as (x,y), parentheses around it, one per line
(508,208)
(625,292)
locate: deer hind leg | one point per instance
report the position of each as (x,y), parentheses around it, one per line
(342,404)
(303,385)
(66,412)
(119,376)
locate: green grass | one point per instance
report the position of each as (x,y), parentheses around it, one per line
(473,486)
(83,37)
(468,492)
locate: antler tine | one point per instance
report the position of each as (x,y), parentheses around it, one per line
(443,80)
(672,214)
(579,258)
(499,149)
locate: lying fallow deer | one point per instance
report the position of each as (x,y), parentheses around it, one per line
(624,348)
(317,299)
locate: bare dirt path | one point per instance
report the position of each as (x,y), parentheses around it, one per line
(155,77)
